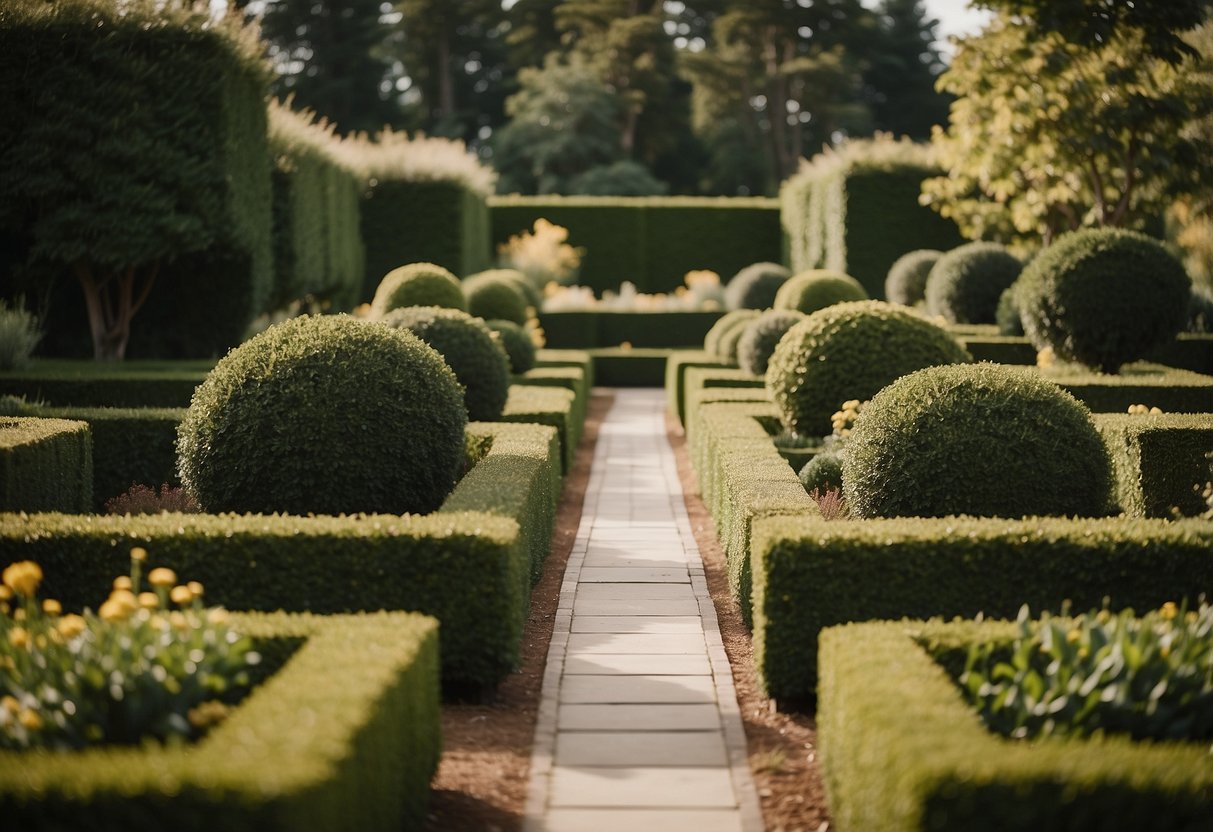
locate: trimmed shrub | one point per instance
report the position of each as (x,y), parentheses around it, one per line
(760,336)
(517,279)
(983,440)
(327,415)
(552,406)
(1171,390)
(822,473)
(517,344)
(45,465)
(1007,314)
(816,289)
(418,284)
(467,345)
(907,280)
(850,351)
(87,383)
(1103,297)
(492,297)
(727,346)
(965,284)
(676,366)
(738,317)
(1159,461)
(754,287)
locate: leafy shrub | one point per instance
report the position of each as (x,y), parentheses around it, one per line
(418,284)
(148,664)
(143,499)
(1103,297)
(830,503)
(1150,677)
(965,284)
(755,286)
(907,279)
(517,344)
(328,415)
(726,348)
(622,178)
(543,254)
(850,351)
(534,297)
(759,337)
(984,440)
(816,289)
(822,473)
(738,317)
(1007,315)
(19,334)
(469,348)
(495,298)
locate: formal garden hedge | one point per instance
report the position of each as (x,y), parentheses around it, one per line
(345,734)
(45,465)
(650,241)
(902,751)
(73,383)
(1159,461)
(607,328)
(676,365)
(546,405)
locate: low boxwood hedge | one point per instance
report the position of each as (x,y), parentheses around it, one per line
(698,379)
(1158,461)
(629,367)
(45,465)
(568,358)
(567,378)
(553,406)
(676,365)
(1175,391)
(346,734)
(902,751)
(810,574)
(65,383)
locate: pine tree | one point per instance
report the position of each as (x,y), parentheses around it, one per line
(902,65)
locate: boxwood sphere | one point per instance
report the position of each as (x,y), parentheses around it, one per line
(816,289)
(417,284)
(759,337)
(754,287)
(534,297)
(468,346)
(822,473)
(727,321)
(517,344)
(906,282)
(1103,297)
(983,439)
(1007,314)
(328,415)
(850,351)
(965,284)
(495,298)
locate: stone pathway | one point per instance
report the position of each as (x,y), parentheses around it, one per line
(638,724)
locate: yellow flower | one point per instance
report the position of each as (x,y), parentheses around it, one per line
(1190,617)
(181,595)
(1164,650)
(5,593)
(139,553)
(1155,411)
(123,582)
(121,604)
(31,720)
(18,637)
(71,626)
(10,704)
(625,345)
(52,607)
(1168,610)
(1045,358)
(149,600)
(19,614)
(162,577)
(195,589)
(850,404)
(23,577)
(179,620)
(1073,636)
(1103,616)
(217,615)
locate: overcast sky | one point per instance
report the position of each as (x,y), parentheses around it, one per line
(955,18)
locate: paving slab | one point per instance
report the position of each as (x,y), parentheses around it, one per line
(640,748)
(642,820)
(607,664)
(641,786)
(625,574)
(628,606)
(616,591)
(661,624)
(637,643)
(622,690)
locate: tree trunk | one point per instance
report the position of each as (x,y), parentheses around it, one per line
(112,302)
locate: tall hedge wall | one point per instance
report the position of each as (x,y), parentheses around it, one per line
(650,241)
(129,140)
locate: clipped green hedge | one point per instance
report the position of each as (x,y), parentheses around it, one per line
(132,445)
(902,751)
(543,405)
(1000,349)
(586,329)
(676,365)
(651,241)
(568,358)
(71,383)
(698,379)
(1159,461)
(412,222)
(626,367)
(346,734)
(810,574)
(568,378)
(45,465)
(1175,391)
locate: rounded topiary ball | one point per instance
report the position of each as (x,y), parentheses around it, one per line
(816,289)
(468,346)
(759,337)
(1103,297)
(850,351)
(822,473)
(517,344)
(534,298)
(328,415)
(983,439)
(417,284)
(965,284)
(1007,314)
(754,287)
(495,298)
(906,282)
(726,322)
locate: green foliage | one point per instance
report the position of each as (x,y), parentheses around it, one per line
(761,335)
(19,334)
(45,465)
(1007,314)
(516,278)
(551,406)
(1158,460)
(1103,297)
(495,298)
(965,284)
(983,440)
(901,750)
(754,287)
(815,289)
(623,178)
(87,383)
(1200,311)
(294,421)
(517,344)
(1173,391)
(418,284)
(478,359)
(809,575)
(907,280)
(143,499)
(369,682)
(822,473)
(676,367)
(1150,677)
(713,342)
(849,351)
